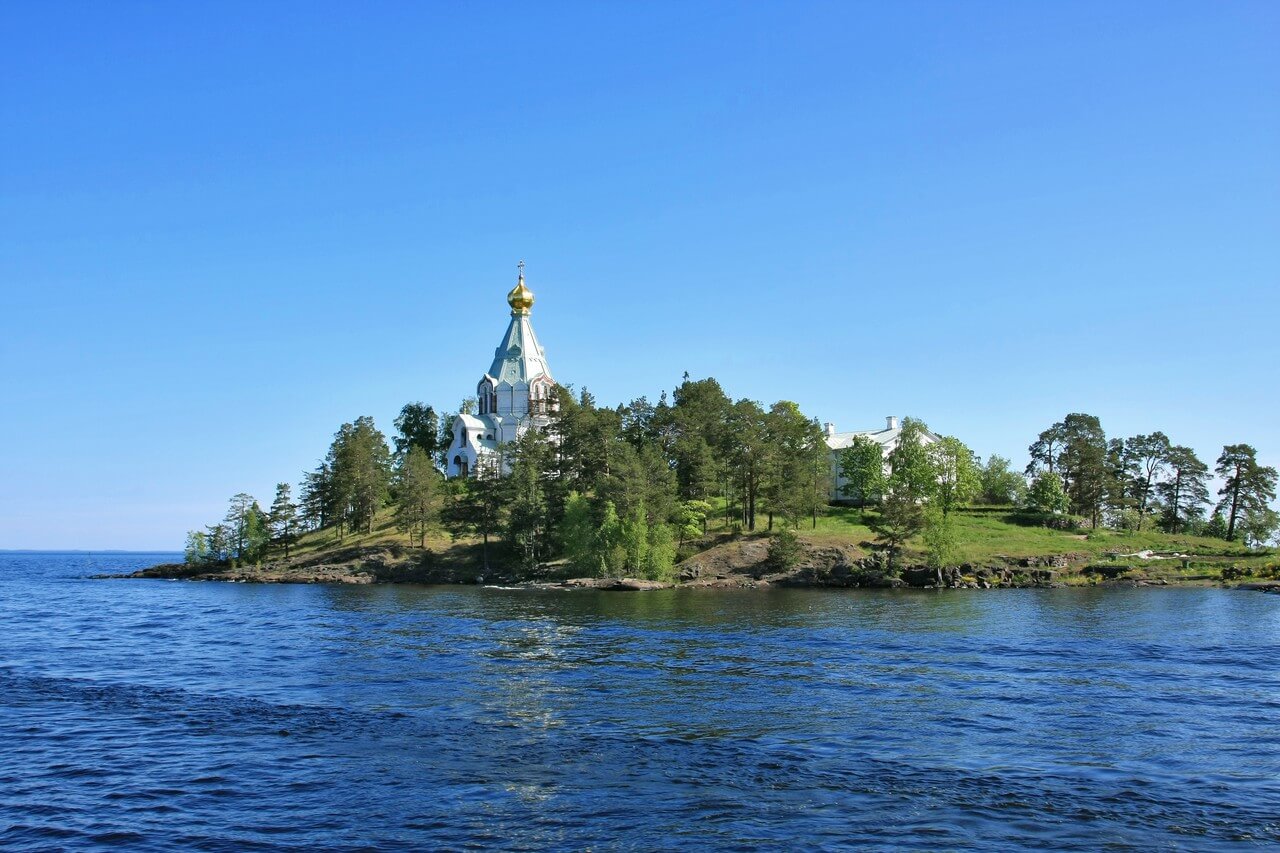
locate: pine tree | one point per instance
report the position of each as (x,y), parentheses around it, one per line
(1149,455)
(283,518)
(419,494)
(237,524)
(1247,485)
(1184,492)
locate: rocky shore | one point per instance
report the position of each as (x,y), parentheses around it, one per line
(739,563)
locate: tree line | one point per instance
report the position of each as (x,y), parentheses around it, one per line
(1148,481)
(620,490)
(614,490)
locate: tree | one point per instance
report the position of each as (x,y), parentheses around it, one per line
(1046,494)
(282,519)
(360,462)
(939,535)
(257,534)
(237,522)
(317,497)
(419,493)
(660,556)
(1258,525)
(1216,526)
(634,539)
(1121,475)
(912,483)
(528,522)
(862,467)
(701,436)
(197,549)
(577,532)
(475,505)
(217,543)
(1149,455)
(1045,450)
(1082,463)
(999,483)
(901,517)
(957,473)
(1185,492)
(749,458)
(1247,485)
(417,425)
(691,519)
(912,467)
(797,464)
(607,547)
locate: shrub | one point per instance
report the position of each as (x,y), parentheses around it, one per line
(785,551)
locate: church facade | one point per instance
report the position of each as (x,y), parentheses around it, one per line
(516,393)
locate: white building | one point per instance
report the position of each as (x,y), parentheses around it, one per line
(887,438)
(514,395)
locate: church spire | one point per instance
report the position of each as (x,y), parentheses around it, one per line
(520,298)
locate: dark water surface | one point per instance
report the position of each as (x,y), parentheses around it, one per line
(164,714)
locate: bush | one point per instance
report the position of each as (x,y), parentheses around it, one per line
(785,551)
(1234,573)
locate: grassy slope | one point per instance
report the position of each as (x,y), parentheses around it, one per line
(982,535)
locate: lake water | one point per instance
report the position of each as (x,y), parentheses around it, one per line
(165,715)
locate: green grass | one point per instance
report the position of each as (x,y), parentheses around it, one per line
(982,535)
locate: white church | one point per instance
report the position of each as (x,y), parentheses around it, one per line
(517,393)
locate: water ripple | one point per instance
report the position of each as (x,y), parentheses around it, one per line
(164,716)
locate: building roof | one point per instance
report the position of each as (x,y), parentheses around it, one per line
(841,440)
(519,358)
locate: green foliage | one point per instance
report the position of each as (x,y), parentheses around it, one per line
(1076,449)
(1216,526)
(999,484)
(1247,486)
(526,486)
(785,551)
(939,537)
(660,558)
(197,549)
(419,426)
(1258,525)
(901,517)
(1185,493)
(862,467)
(607,548)
(282,519)
(956,473)
(577,532)
(1046,494)
(634,539)
(691,519)
(359,463)
(257,534)
(419,494)
(475,506)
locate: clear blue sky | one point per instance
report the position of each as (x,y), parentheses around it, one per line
(227,228)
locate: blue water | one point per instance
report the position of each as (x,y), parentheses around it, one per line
(173,715)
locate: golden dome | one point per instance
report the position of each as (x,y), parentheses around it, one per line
(520,298)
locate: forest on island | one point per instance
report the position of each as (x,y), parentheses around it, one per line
(629,490)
